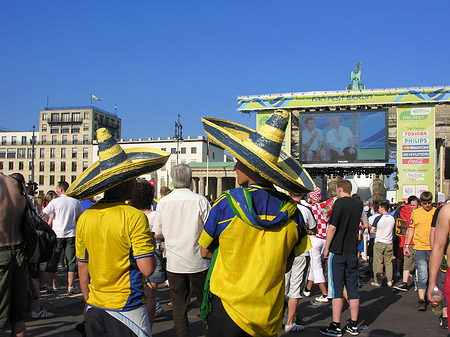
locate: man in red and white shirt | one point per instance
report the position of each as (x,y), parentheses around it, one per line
(318,244)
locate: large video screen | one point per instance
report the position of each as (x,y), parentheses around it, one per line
(351,136)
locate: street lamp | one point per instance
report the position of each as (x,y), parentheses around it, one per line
(178,134)
(32,155)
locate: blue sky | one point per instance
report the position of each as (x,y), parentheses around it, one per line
(156,60)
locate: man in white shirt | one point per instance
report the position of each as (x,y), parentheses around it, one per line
(383,228)
(65,212)
(340,141)
(180,218)
(312,140)
(294,278)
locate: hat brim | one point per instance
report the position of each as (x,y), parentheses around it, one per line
(287,173)
(93,181)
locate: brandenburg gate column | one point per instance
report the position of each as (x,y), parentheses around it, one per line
(195,185)
(219,186)
(201,184)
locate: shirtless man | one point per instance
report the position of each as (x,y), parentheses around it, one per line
(13,275)
(441,236)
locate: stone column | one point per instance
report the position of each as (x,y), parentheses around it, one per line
(219,186)
(201,184)
(195,185)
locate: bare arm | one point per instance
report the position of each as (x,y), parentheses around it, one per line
(440,241)
(331,231)
(206,254)
(409,236)
(147,265)
(83,275)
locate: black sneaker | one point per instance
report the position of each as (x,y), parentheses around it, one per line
(332,330)
(422,305)
(352,330)
(401,287)
(443,322)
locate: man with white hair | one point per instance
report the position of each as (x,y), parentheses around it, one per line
(180,217)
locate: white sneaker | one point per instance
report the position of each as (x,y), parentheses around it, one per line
(376,284)
(306,293)
(322,299)
(294,327)
(42,314)
(389,284)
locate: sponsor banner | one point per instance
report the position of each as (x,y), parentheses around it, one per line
(415,150)
(382,96)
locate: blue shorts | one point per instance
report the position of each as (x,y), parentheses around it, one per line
(343,270)
(159,275)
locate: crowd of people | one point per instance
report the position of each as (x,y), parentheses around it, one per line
(248,258)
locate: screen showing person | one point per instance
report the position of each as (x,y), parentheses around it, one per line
(340,141)
(312,141)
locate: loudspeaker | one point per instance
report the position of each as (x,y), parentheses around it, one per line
(447,163)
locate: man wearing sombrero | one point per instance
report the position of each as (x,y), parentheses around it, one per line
(114,246)
(251,232)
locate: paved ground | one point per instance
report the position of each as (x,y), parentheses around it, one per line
(385,312)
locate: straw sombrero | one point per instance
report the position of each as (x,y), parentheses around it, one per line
(115,166)
(261,150)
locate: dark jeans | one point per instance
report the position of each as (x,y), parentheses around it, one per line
(180,289)
(220,324)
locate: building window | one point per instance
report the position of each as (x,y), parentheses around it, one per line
(65,117)
(44,127)
(2,153)
(41,153)
(85,152)
(193,150)
(85,127)
(44,116)
(41,180)
(65,130)
(85,165)
(214,155)
(163,149)
(63,152)
(52,180)
(54,130)
(74,152)
(76,130)
(30,166)
(20,153)
(85,139)
(63,166)
(13,140)
(76,117)
(183,150)
(52,152)
(43,140)
(54,139)
(74,166)
(64,139)
(24,140)
(41,166)
(11,153)
(20,165)
(1,165)
(11,165)
(3,140)
(75,139)
(62,178)
(73,178)
(173,150)
(86,115)
(52,166)
(55,117)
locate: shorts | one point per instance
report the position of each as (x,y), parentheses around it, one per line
(13,285)
(421,258)
(68,244)
(295,277)
(343,270)
(159,275)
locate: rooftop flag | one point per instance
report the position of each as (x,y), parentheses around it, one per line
(95,97)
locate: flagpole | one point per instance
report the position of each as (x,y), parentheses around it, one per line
(207,165)
(91,101)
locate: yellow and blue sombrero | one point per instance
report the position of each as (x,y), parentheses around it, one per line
(115,166)
(261,150)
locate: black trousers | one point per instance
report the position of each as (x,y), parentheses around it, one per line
(180,290)
(100,323)
(220,324)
